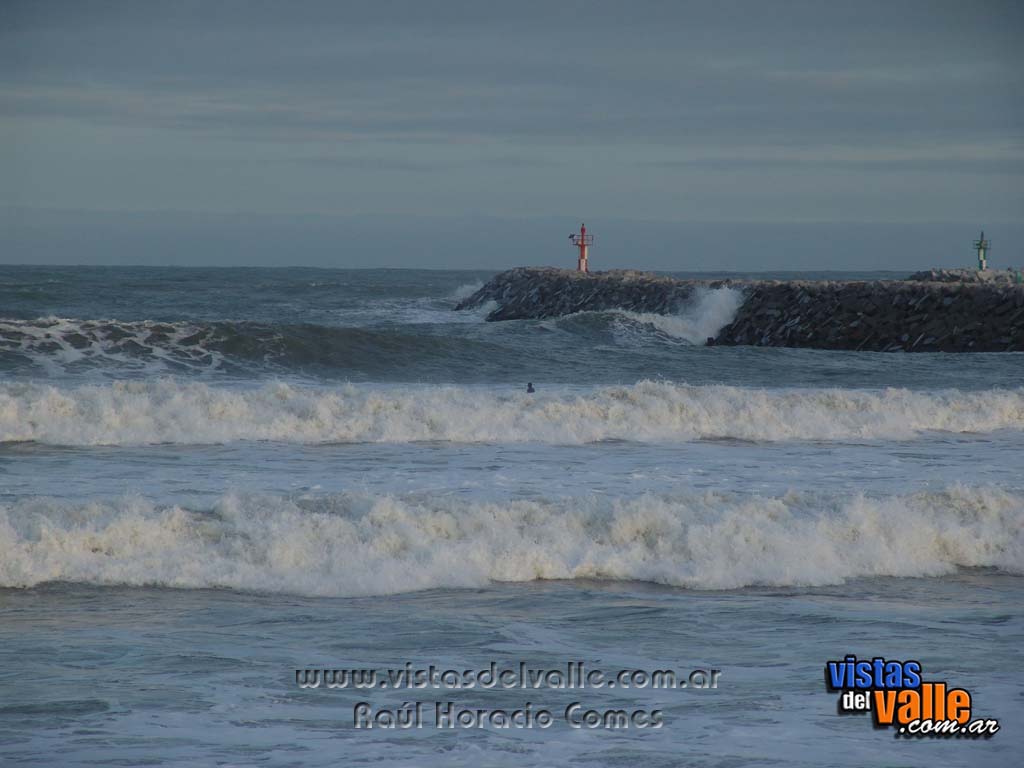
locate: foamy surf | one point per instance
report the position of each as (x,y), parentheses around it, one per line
(57,347)
(347,545)
(708,312)
(188,412)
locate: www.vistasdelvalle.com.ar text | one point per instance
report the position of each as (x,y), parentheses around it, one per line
(574,675)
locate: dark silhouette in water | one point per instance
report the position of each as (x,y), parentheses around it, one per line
(529,388)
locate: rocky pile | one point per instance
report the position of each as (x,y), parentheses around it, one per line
(912,316)
(968,276)
(881,316)
(537,292)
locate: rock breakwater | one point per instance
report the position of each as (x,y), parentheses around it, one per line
(912,316)
(968,276)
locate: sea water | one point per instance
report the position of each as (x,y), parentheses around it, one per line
(212,478)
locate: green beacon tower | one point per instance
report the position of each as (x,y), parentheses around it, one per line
(982,246)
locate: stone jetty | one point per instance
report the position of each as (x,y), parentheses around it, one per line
(968,276)
(919,315)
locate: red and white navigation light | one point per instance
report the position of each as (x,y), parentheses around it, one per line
(582,241)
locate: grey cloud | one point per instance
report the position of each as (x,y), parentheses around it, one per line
(1008,166)
(424,104)
(666,72)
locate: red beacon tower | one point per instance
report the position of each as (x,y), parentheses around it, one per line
(582,241)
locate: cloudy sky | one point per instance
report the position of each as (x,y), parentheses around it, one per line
(689,135)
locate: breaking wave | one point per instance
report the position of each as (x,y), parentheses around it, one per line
(391,336)
(172,410)
(465,290)
(708,313)
(346,545)
(57,346)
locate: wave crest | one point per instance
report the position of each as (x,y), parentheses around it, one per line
(345,545)
(59,346)
(189,412)
(707,313)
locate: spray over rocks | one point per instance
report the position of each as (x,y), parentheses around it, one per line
(882,316)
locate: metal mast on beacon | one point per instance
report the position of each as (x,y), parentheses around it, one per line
(582,241)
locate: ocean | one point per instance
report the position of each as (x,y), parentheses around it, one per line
(214,479)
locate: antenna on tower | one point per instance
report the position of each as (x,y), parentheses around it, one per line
(582,241)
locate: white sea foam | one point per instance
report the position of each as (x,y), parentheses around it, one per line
(180,411)
(361,545)
(465,290)
(709,311)
(59,344)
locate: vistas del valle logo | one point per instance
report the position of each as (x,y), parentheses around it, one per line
(898,697)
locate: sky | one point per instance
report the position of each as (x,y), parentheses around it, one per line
(688,135)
